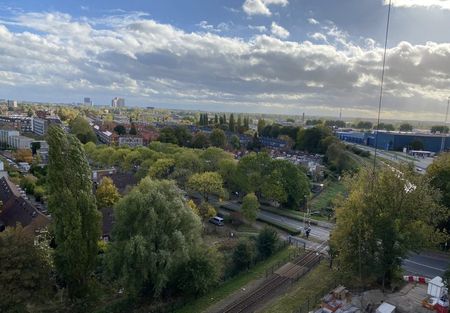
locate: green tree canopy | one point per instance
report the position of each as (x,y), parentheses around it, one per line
(82,130)
(406,127)
(155,233)
(244,255)
(267,242)
(250,207)
(25,271)
(207,183)
(120,130)
(385,216)
(311,139)
(235,143)
(439,174)
(74,212)
(106,194)
(200,141)
(218,138)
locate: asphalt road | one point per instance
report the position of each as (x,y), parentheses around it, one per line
(320,233)
(398,157)
(428,264)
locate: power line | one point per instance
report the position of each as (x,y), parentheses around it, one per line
(382,85)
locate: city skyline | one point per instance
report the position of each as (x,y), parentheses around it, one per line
(256,56)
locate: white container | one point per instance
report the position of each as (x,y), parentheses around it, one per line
(436,287)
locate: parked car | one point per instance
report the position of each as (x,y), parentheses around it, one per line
(216,220)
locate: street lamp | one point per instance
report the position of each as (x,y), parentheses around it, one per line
(445,124)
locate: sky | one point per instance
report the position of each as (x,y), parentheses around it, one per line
(267,56)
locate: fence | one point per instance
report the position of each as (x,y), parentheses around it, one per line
(312,303)
(292,255)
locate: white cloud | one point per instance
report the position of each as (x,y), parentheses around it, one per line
(313,21)
(211,28)
(440,4)
(260,28)
(319,37)
(279,31)
(259,7)
(153,63)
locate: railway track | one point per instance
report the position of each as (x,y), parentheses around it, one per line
(245,303)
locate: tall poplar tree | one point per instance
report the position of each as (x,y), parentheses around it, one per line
(74,212)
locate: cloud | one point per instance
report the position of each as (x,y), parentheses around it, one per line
(439,4)
(55,57)
(260,28)
(211,28)
(259,7)
(313,21)
(319,37)
(279,31)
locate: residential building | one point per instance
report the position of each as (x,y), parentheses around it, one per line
(5,134)
(131,141)
(12,103)
(20,142)
(17,210)
(88,101)
(118,102)
(40,126)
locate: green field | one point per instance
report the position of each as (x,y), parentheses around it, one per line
(235,283)
(324,199)
(312,287)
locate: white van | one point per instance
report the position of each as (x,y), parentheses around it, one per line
(216,221)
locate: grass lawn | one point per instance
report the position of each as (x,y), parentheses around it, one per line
(313,286)
(331,191)
(235,283)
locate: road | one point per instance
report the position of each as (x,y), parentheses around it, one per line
(399,157)
(323,234)
(428,264)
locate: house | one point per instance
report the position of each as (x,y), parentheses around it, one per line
(130,141)
(17,210)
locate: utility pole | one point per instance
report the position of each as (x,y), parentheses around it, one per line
(444,136)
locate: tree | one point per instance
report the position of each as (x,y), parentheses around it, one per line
(439,174)
(25,270)
(231,123)
(167,134)
(261,125)
(218,138)
(416,144)
(235,142)
(106,194)
(364,125)
(200,141)
(82,130)
(384,126)
(266,242)
(250,207)
(207,183)
(212,158)
(23,155)
(75,217)
(244,255)
(162,168)
(133,130)
(120,130)
(144,255)
(439,128)
(311,139)
(216,119)
(406,127)
(386,215)
(200,272)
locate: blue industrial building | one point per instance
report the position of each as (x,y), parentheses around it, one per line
(396,140)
